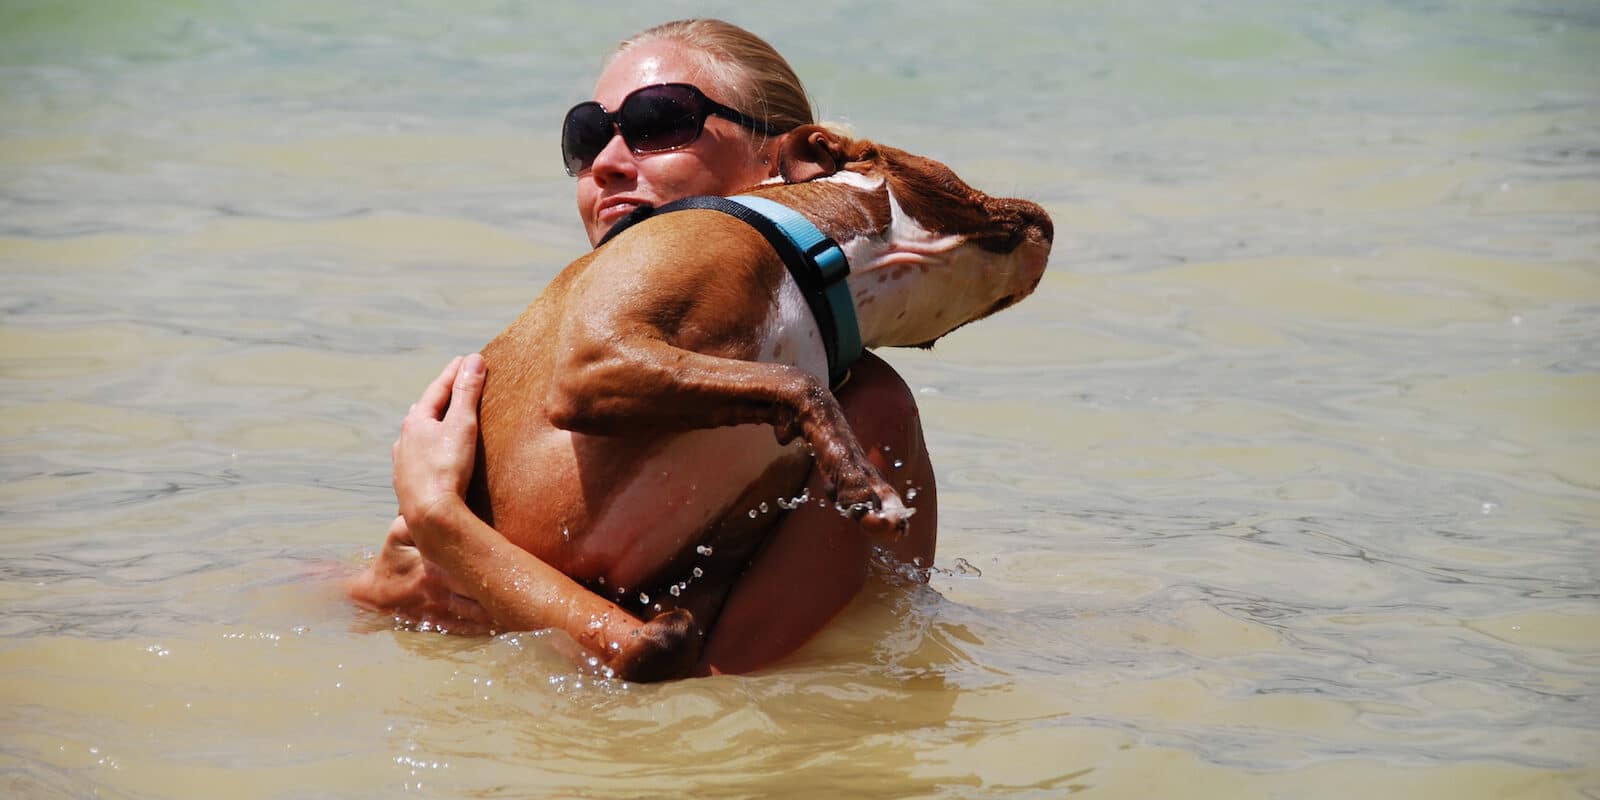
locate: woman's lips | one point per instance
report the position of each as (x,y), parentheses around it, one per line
(616,208)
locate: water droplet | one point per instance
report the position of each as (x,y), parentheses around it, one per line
(911,494)
(965,567)
(704,549)
(644,599)
(675,590)
(752,513)
(698,572)
(602,580)
(898,463)
(764,508)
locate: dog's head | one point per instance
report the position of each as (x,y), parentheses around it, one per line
(927,252)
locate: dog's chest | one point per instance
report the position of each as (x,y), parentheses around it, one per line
(791,336)
(673,497)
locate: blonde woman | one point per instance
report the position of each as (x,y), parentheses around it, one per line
(735,97)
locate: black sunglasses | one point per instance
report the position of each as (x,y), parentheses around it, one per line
(651,119)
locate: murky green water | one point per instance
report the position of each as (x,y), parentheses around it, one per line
(1286,483)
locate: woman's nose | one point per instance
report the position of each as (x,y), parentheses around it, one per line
(614,162)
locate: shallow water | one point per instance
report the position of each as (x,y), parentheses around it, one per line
(1284,484)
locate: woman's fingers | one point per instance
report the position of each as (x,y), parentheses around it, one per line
(436,397)
(433,458)
(468,388)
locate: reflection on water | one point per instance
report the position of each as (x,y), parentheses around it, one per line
(1283,484)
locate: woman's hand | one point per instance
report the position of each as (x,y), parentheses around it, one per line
(400,581)
(433,458)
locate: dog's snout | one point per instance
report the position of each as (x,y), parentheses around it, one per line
(1034,216)
(1014,222)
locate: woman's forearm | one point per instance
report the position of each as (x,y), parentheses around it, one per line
(519,590)
(433,461)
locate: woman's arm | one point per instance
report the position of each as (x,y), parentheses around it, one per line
(456,569)
(816,561)
(433,460)
(400,581)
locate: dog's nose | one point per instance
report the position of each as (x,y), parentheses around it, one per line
(1034,216)
(1014,222)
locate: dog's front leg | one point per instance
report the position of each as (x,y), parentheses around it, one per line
(642,384)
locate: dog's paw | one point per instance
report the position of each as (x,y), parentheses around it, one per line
(891,517)
(662,649)
(864,495)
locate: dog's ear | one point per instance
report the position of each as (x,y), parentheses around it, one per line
(810,152)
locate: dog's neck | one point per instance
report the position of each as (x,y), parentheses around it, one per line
(911,284)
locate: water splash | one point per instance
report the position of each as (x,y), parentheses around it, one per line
(965,569)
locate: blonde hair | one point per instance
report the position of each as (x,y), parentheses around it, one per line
(748,73)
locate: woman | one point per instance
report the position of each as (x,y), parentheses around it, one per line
(815,560)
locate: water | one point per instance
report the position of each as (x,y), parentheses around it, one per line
(1283,484)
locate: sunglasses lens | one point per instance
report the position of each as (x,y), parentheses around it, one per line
(584,134)
(661,118)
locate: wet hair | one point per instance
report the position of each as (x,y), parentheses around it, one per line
(745,72)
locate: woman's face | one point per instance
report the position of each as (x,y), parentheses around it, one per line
(723,160)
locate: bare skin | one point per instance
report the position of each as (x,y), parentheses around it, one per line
(441,564)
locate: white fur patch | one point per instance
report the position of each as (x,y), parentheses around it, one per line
(791,336)
(906,231)
(854,179)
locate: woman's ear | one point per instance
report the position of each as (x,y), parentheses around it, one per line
(809,152)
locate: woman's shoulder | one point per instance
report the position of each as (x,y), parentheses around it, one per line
(874,385)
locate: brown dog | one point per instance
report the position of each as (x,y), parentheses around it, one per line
(667,389)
